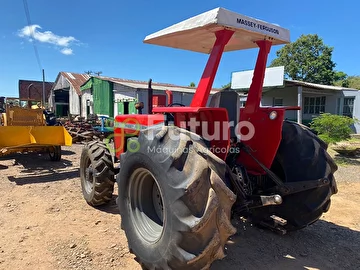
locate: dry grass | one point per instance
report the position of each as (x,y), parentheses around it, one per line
(346,152)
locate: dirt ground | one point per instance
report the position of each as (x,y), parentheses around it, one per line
(46,224)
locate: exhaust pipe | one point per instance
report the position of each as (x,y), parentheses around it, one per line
(150,97)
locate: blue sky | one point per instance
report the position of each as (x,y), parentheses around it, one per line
(108,36)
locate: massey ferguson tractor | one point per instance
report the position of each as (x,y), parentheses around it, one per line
(186,171)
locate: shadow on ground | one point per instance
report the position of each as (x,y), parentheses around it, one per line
(3,167)
(111,207)
(346,160)
(323,245)
(35,162)
(44,178)
(38,168)
(67,152)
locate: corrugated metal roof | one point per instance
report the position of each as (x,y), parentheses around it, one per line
(313,86)
(319,86)
(75,79)
(155,85)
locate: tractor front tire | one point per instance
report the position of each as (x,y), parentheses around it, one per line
(96,173)
(175,208)
(55,153)
(302,156)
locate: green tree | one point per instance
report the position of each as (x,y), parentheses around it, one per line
(226,85)
(349,81)
(341,79)
(354,82)
(192,84)
(307,59)
(339,76)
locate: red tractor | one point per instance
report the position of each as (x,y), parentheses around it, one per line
(185,171)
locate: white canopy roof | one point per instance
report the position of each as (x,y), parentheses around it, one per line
(197,33)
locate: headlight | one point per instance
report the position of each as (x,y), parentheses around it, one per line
(273,115)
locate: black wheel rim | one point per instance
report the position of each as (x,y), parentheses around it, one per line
(146,205)
(89,176)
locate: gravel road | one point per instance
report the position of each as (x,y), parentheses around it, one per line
(46,224)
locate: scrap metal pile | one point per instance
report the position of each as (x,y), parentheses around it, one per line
(82,132)
(85,131)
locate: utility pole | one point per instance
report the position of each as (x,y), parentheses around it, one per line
(44,97)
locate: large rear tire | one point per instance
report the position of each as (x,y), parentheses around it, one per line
(301,156)
(175,208)
(96,173)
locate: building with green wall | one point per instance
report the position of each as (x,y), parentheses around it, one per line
(108,96)
(101,97)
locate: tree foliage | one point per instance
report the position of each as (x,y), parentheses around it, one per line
(354,82)
(349,81)
(339,76)
(226,85)
(192,84)
(341,79)
(307,59)
(333,128)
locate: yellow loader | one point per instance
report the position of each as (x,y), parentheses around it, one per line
(24,128)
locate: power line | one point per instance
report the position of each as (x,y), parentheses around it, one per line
(27,14)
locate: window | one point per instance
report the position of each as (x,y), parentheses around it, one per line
(314,105)
(348,106)
(277,101)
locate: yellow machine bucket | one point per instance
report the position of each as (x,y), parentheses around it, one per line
(19,138)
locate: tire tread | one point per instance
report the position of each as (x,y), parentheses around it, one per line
(202,208)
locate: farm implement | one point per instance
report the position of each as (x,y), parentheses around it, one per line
(26,129)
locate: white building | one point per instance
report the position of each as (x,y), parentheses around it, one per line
(312,98)
(65,94)
(82,94)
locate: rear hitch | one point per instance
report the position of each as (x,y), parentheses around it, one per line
(255,201)
(271,200)
(290,187)
(296,187)
(275,224)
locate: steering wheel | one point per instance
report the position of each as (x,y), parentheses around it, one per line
(178,104)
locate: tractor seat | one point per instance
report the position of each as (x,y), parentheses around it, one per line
(231,102)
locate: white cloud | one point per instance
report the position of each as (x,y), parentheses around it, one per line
(32,32)
(67,51)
